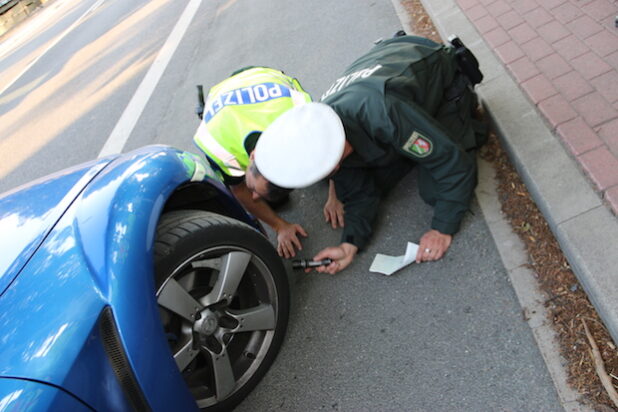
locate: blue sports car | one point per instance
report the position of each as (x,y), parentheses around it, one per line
(135,282)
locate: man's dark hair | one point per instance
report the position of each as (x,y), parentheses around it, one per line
(275,194)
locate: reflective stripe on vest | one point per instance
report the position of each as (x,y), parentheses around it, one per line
(215,151)
(240,105)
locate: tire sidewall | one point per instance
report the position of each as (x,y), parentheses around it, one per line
(228,232)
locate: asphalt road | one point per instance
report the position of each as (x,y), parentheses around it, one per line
(439,336)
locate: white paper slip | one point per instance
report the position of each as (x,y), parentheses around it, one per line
(388,265)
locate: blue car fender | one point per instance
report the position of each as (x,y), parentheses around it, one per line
(26,396)
(79,321)
(116,219)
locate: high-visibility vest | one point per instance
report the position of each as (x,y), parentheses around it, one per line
(243,104)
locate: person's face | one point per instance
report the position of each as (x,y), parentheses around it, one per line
(257,184)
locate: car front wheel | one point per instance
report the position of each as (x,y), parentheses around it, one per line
(223,297)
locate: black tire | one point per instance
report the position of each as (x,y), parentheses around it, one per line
(223,337)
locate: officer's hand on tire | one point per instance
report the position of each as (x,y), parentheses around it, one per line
(433,246)
(287,239)
(341,256)
(333,212)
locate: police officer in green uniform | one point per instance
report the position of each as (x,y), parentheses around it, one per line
(235,113)
(404,104)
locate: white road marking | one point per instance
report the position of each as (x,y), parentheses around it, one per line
(119,136)
(56,41)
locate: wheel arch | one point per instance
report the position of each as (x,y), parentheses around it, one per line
(208,197)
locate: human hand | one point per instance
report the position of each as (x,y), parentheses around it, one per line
(287,239)
(333,212)
(341,257)
(433,246)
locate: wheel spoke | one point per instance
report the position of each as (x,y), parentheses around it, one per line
(185,355)
(260,317)
(224,375)
(206,263)
(187,282)
(178,300)
(233,266)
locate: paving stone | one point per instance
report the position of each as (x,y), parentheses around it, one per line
(608,132)
(612,59)
(497,37)
(557,110)
(538,17)
(509,52)
(603,43)
(584,26)
(522,33)
(609,23)
(523,69)
(559,188)
(486,23)
(578,136)
(553,66)
(602,167)
(607,85)
(524,6)
(599,9)
(509,20)
(553,31)
(611,195)
(572,85)
(570,47)
(594,109)
(498,8)
(477,12)
(551,4)
(454,21)
(539,88)
(580,3)
(589,65)
(566,12)
(536,49)
(467,4)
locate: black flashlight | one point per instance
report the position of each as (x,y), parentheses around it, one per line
(307,263)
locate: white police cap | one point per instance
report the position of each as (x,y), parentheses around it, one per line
(301,146)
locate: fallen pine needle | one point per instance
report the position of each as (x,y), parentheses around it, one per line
(581,361)
(600,367)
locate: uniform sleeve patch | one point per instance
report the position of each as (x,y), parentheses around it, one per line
(418,145)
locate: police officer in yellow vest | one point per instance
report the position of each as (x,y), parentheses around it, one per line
(236,112)
(406,103)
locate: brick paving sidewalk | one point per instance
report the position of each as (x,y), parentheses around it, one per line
(564,55)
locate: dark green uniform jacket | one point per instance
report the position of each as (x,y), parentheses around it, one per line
(405,104)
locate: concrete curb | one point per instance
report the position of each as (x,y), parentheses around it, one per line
(585,228)
(513,254)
